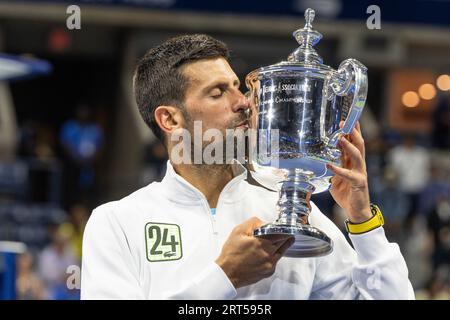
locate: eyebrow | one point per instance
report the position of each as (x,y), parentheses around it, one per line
(221,84)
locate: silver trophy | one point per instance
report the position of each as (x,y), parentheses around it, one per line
(296,108)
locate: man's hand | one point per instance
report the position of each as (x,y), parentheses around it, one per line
(349,186)
(246,259)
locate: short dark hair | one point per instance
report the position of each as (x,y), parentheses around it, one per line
(158,79)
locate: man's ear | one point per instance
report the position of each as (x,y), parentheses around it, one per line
(169,118)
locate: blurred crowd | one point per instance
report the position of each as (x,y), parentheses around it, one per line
(409,177)
(46,197)
(43,274)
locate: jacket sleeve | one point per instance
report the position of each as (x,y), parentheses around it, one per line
(374,269)
(380,271)
(110,272)
(211,284)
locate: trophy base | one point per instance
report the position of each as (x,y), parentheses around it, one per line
(309,241)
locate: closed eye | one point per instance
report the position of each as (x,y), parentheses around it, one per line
(217,92)
(219,89)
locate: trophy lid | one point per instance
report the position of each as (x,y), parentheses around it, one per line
(307,37)
(304,58)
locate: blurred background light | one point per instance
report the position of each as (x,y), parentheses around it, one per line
(427,91)
(410,99)
(443,82)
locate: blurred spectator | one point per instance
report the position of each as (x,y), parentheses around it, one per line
(27,141)
(82,140)
(54,261)
(78,217)
(37,140)
(28,284)
(441,126)
(417,250)
(155,163)
(437,187)
(437,288)
(439,226)
(393,203)
(375,163)
(45,143)
(412,165)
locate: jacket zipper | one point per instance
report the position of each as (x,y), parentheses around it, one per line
(213,221)
(212,218)
(214,229)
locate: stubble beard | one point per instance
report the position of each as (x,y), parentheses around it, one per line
(238,138)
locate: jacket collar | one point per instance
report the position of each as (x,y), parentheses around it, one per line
(177,189)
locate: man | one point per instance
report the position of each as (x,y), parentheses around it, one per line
(191,236)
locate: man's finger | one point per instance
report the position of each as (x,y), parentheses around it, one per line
(358,141)
(282,249)
(343,173)
(357,137)
(248,226)
(353,152)
(272,243)
(279,239)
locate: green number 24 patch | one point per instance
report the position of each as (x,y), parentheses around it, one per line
(163,242)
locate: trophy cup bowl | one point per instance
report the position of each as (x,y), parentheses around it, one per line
(296,108)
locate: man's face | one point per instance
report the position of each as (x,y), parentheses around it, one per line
(213,97)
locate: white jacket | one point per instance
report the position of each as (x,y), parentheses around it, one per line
(161,242)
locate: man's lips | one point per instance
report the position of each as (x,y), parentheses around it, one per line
(242,124)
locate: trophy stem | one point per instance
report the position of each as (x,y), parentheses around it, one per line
(293,219)
(293,201)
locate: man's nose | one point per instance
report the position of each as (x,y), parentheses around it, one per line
(242,103)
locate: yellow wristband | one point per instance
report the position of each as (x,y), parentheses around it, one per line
(376,221)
